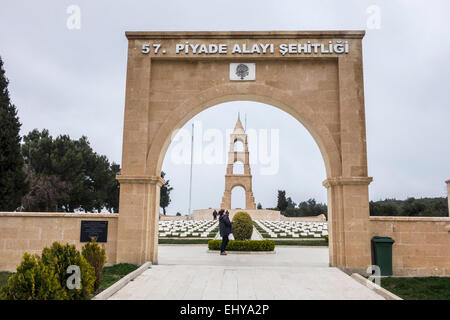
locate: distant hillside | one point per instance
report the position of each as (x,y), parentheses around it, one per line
(411,207)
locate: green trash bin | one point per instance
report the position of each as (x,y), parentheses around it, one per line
(382,254)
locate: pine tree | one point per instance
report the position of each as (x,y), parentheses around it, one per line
(12,177)
(282,203)
(164,198)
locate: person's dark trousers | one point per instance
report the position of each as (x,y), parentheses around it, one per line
(224,243)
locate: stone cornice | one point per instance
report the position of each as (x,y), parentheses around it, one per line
(342,181)
(448,181)
(344,34)
(238,175)
(140,179)
(410,219)
(59,214)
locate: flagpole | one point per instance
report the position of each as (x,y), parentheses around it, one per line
(190,178)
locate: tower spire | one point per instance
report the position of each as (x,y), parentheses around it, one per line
(238,128)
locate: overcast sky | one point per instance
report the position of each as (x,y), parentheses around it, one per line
(73,82)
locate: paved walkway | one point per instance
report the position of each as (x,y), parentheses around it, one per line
(255,235)
(189,272)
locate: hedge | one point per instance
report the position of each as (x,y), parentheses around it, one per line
(45,277)
(248,245)
(242,226)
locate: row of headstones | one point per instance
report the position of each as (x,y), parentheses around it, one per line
(312,226)
(188,225)
(302,229)
(173,229)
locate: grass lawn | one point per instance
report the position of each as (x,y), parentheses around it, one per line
(317,243)
(184,241)
(4,275)
(312,243)
(430,288)
(114,273)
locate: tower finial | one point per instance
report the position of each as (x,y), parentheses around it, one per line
(245,122)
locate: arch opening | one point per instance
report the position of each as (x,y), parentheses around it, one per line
(206,178)
(238,167)
(317,128)
(238,146)
(238,198)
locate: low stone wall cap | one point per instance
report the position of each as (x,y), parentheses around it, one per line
(315,34)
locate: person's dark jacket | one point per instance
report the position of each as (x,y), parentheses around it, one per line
(225,225)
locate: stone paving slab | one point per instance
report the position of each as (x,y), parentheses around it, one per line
(180,282)
(189,272)
(285,256)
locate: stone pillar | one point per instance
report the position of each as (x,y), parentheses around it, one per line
(348,220)
(226,200)
(137,234)
(448,195)
(249,201)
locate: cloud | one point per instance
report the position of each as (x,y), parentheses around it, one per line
(74,82)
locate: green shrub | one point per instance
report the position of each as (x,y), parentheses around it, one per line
(238,245)
(95,256)
(242,226)
(326,238)
(33,280)
(61,257)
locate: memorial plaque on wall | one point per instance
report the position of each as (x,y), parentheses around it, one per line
(94,229)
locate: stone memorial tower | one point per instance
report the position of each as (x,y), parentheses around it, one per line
(233,179)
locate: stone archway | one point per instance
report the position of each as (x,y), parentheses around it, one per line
(323,90)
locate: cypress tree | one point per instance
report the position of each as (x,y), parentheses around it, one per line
(13,185)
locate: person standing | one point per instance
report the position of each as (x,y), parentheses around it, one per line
(227,213)
(214,214)
(225,227)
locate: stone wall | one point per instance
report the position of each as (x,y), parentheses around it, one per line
(422,244)
(319,218)
(421,248)
(271,215)
(172,218)
(30,232)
